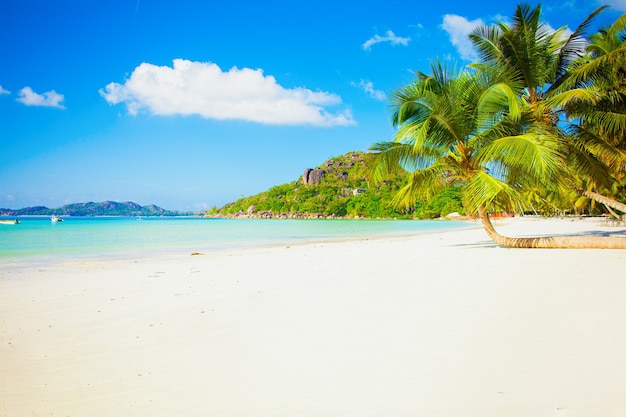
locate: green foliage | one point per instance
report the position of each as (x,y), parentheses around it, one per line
(342,192)
(446,202)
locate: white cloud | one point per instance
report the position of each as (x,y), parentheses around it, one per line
(389,37)
(368,87)
(502,19)
(199,88)
(48,99)
(3,91)
(566,32)
(458,28)
(617,4)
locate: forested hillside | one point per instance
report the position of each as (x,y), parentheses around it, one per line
(337,188)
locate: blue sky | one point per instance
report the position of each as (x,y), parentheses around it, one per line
(193,104)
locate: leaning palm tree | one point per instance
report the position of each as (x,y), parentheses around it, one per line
(600,110)
(448,135)
(537,59)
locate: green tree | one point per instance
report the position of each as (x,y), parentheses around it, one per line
(599,107)
(448,136)
(534,60)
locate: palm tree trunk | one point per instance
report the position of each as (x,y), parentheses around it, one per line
(554,242)
(604,200)
(614,214)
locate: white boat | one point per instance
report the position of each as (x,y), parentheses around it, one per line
(11,221)
(56,219)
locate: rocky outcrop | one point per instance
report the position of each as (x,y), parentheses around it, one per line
(335,167)
(313,176)
(317,193)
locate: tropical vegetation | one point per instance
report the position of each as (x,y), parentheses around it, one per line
(342,191)
(538,119)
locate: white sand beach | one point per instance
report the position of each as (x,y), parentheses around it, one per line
(444,324)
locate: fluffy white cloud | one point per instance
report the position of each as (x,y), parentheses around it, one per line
(389,37)
(458,28)
(616,4)
(368,87)
(566,32)
(199,88)
(48,99)
(3,91)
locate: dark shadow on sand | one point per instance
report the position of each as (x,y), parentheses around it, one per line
(487,243)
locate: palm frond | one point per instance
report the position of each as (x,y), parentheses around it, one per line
(588,141)
(499,98)
(613,124)
(529,156)
(573,48)
(487,191)
(617,28)
(485,40)
(606,40)
(589,96)
(581,163)
(422,186)
(390,158)
(589,69)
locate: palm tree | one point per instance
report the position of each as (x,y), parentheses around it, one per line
(600,110)
(601,74)
(449,135)
(536,60)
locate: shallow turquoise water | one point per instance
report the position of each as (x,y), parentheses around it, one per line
(37,238)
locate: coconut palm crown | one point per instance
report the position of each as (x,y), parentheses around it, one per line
(443,140)
(539,62)
(596,83)
(447,134)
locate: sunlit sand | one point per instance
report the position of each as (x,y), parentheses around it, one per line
(445,324)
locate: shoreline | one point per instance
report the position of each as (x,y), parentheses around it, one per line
(223,238)
(605,226)
(444,323)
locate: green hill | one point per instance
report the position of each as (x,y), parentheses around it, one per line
(336,189)
(105,208)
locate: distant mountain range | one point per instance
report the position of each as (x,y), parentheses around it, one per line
(105,208)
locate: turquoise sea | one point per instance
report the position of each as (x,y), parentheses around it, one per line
(38,239)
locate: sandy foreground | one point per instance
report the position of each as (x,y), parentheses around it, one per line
(444,324)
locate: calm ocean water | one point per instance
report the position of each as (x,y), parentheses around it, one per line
(38,239)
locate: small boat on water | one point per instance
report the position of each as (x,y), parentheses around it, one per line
(55,219)
(10,221)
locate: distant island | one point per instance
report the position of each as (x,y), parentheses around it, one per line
(105,208)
